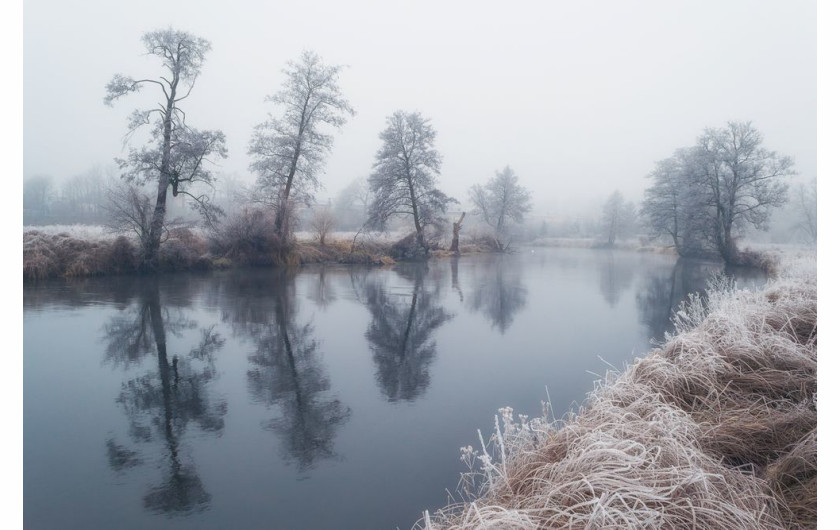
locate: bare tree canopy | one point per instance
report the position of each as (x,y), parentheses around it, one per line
(671,203)
(288,150)
(176,154)
(322,222)
(404,178)
(743,181)
(704,197)
(37,195)
(618,218)
(500,202)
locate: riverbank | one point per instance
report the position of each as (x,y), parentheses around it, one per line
(715,429)
(60,254)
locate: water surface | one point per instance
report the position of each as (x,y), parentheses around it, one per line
(335,397)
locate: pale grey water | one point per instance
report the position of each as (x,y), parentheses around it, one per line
(335,397)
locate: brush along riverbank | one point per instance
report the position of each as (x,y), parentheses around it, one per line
(64,255)
(717,428)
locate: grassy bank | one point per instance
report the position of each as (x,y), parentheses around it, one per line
(715,429)
(58,254)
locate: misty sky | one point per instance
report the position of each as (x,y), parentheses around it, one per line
(579,98)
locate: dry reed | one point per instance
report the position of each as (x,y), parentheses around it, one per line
(715,429)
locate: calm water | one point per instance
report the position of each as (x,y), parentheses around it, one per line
(331,398)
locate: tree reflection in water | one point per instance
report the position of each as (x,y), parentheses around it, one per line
(321,290)
(616,276)
(400,332)
(161,404)
(287,372)
(661,294)
(498,292)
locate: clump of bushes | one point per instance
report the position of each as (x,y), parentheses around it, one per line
(765,261)
(39,259)
(247,238)
(183,250)
(715,429)
(342,251)
(61,255)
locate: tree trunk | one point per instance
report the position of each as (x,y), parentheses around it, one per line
(456,229)
(419,229)
(728,251)
(283,221)
(151,245)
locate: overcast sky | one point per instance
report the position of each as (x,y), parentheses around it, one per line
(579,98)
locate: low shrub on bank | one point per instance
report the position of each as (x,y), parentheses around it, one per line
(766,261)
(247,238)
(61,255)
(342,251)
(715,429)
(183,250)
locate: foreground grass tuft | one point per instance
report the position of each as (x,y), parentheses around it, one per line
(715,429)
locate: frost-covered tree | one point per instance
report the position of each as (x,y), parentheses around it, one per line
(176,154)
(673,202)
(351,205)
(743,182)
(322,222)
(289,149)
(618,218)
(705,196)
(806,207)
(404,179)
(37,197)
(501,202)
(82,198)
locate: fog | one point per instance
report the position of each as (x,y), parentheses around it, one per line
(580,99)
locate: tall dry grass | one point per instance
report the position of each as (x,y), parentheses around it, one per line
(715,429)
(64,256)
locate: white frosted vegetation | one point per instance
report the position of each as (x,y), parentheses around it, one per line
(715,429)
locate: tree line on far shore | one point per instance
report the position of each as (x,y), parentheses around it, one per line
(701,199)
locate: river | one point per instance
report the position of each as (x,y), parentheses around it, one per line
(334,397)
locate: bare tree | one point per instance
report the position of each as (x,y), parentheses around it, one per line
(37,197)
(82,197)
(742,181)
(618,218)
(673,202)
(351,205)
(735,183)
(129,210)
(405,175)
(501,202)
(322,222)
(289,149)
(806,206)
(176,153)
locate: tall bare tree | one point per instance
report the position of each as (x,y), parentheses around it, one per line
(38,194)
(82,197)
(176,154)
(717,188)
(289,149)
(618,217)
(501,202)
(674,203)
(743,181)
(404,179)
(806,207)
